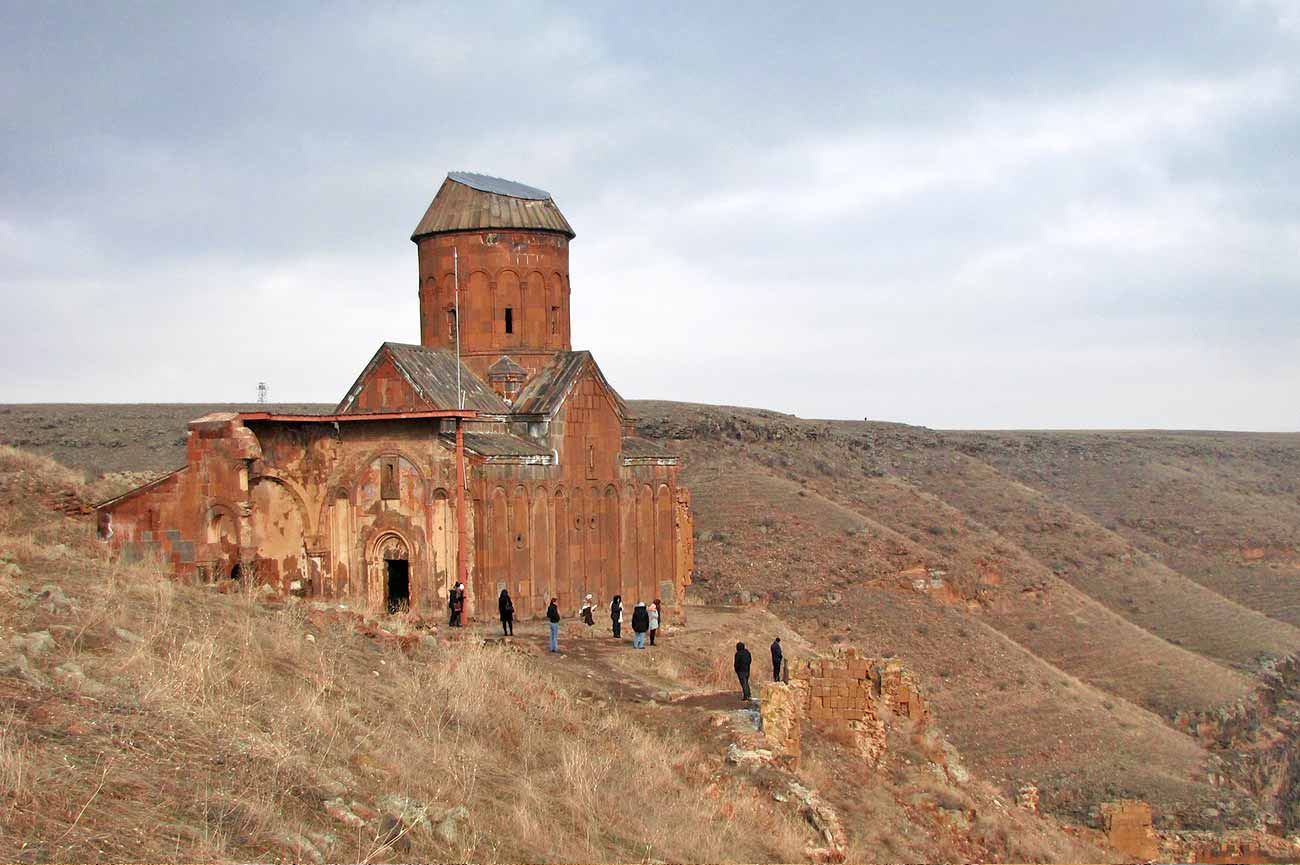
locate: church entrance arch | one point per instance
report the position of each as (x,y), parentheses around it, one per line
(389,564)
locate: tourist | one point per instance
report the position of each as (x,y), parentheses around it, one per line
(553,617)
(507,614)
(640,624)
(776,659)
(616,615)
(654,620)
(588,612)
(456,603)
(742,670)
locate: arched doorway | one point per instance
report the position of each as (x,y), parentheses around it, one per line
(394,572)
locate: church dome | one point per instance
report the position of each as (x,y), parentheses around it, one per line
(469,202)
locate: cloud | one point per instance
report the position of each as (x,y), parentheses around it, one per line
(1008,216)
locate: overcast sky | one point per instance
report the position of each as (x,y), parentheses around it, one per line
(963,215)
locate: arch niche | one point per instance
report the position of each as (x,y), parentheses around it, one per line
(221,533)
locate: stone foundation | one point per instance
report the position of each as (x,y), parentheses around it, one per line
(1127,824)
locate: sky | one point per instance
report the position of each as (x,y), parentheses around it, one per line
(992,215)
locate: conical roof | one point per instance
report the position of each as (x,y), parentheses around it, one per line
(468,202)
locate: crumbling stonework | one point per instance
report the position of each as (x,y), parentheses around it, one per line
(899,691)
(1127,824)
(839,693)
(781,712)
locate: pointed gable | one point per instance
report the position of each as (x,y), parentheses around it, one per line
(546,392)
(404,377)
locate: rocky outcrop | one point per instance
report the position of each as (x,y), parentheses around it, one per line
(1255,742)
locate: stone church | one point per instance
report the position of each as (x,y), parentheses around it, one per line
(491,453)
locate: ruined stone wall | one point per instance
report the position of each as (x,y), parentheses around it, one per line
(781,710)
(307,508)
(332,507)
(195,521)
(1127,824)
(839,694)
(898,690)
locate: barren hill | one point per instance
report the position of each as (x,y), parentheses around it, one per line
(1101,613)
(148,718)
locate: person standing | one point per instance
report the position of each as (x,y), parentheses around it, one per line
(640,624)
(743,660)
(456,604)
(553,618)
(654,620)
(507,607)
(588,612)
(616,616)
(460,607)
(777,656)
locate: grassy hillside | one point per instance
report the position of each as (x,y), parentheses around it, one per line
(146,719)
(1099,613)
(1061,646)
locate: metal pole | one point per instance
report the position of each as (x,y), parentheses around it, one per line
(460,501)
(455,266)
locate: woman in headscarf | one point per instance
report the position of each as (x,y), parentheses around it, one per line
(458,606)
(507,607)
(654,620)
(588,611)
(616,615)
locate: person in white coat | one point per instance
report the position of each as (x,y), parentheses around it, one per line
(654,620)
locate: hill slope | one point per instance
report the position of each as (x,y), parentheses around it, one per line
(146,719)
(1102,614)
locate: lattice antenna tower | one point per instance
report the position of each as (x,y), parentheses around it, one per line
(261,391)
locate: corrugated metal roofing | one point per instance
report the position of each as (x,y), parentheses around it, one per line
(545,392)
(460,206)
(433,373)
(499,185)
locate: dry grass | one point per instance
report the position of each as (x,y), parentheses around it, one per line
(238,728)
(15,761)
(15,460)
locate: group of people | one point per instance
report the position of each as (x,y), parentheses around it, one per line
(645,620)
(744,660)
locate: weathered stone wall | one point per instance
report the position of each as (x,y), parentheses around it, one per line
(781,710)
(839,693)
(320,509)
(195,519)
(1127,824)
(898,690)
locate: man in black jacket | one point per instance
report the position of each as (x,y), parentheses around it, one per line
(742,669)
(776,660)
(640,624)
